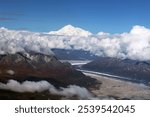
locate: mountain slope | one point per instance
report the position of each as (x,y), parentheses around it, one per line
(135,70)
(37,67)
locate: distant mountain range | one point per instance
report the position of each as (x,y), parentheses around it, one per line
(133,69)
(70,54)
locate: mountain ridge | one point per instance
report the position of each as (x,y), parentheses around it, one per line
(133,69)
(39,67)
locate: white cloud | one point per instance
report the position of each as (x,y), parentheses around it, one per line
(31,86)
(73,90)
(133,45)
(26,86)
(12,41)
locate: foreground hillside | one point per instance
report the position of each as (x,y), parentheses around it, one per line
(36,67)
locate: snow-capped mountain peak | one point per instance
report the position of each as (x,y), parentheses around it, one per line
(70,30)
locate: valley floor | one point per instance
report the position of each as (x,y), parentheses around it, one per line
(119,89)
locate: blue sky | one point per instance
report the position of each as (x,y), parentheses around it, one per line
(113,16)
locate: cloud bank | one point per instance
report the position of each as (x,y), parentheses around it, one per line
(133,45)
(31,86)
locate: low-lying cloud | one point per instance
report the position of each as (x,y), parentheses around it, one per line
(133,45)
(26,86)
(73,90)
(31,86)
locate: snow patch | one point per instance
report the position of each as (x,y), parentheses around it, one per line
(10,72)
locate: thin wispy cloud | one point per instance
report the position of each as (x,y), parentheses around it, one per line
(6,19)
(11,14)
